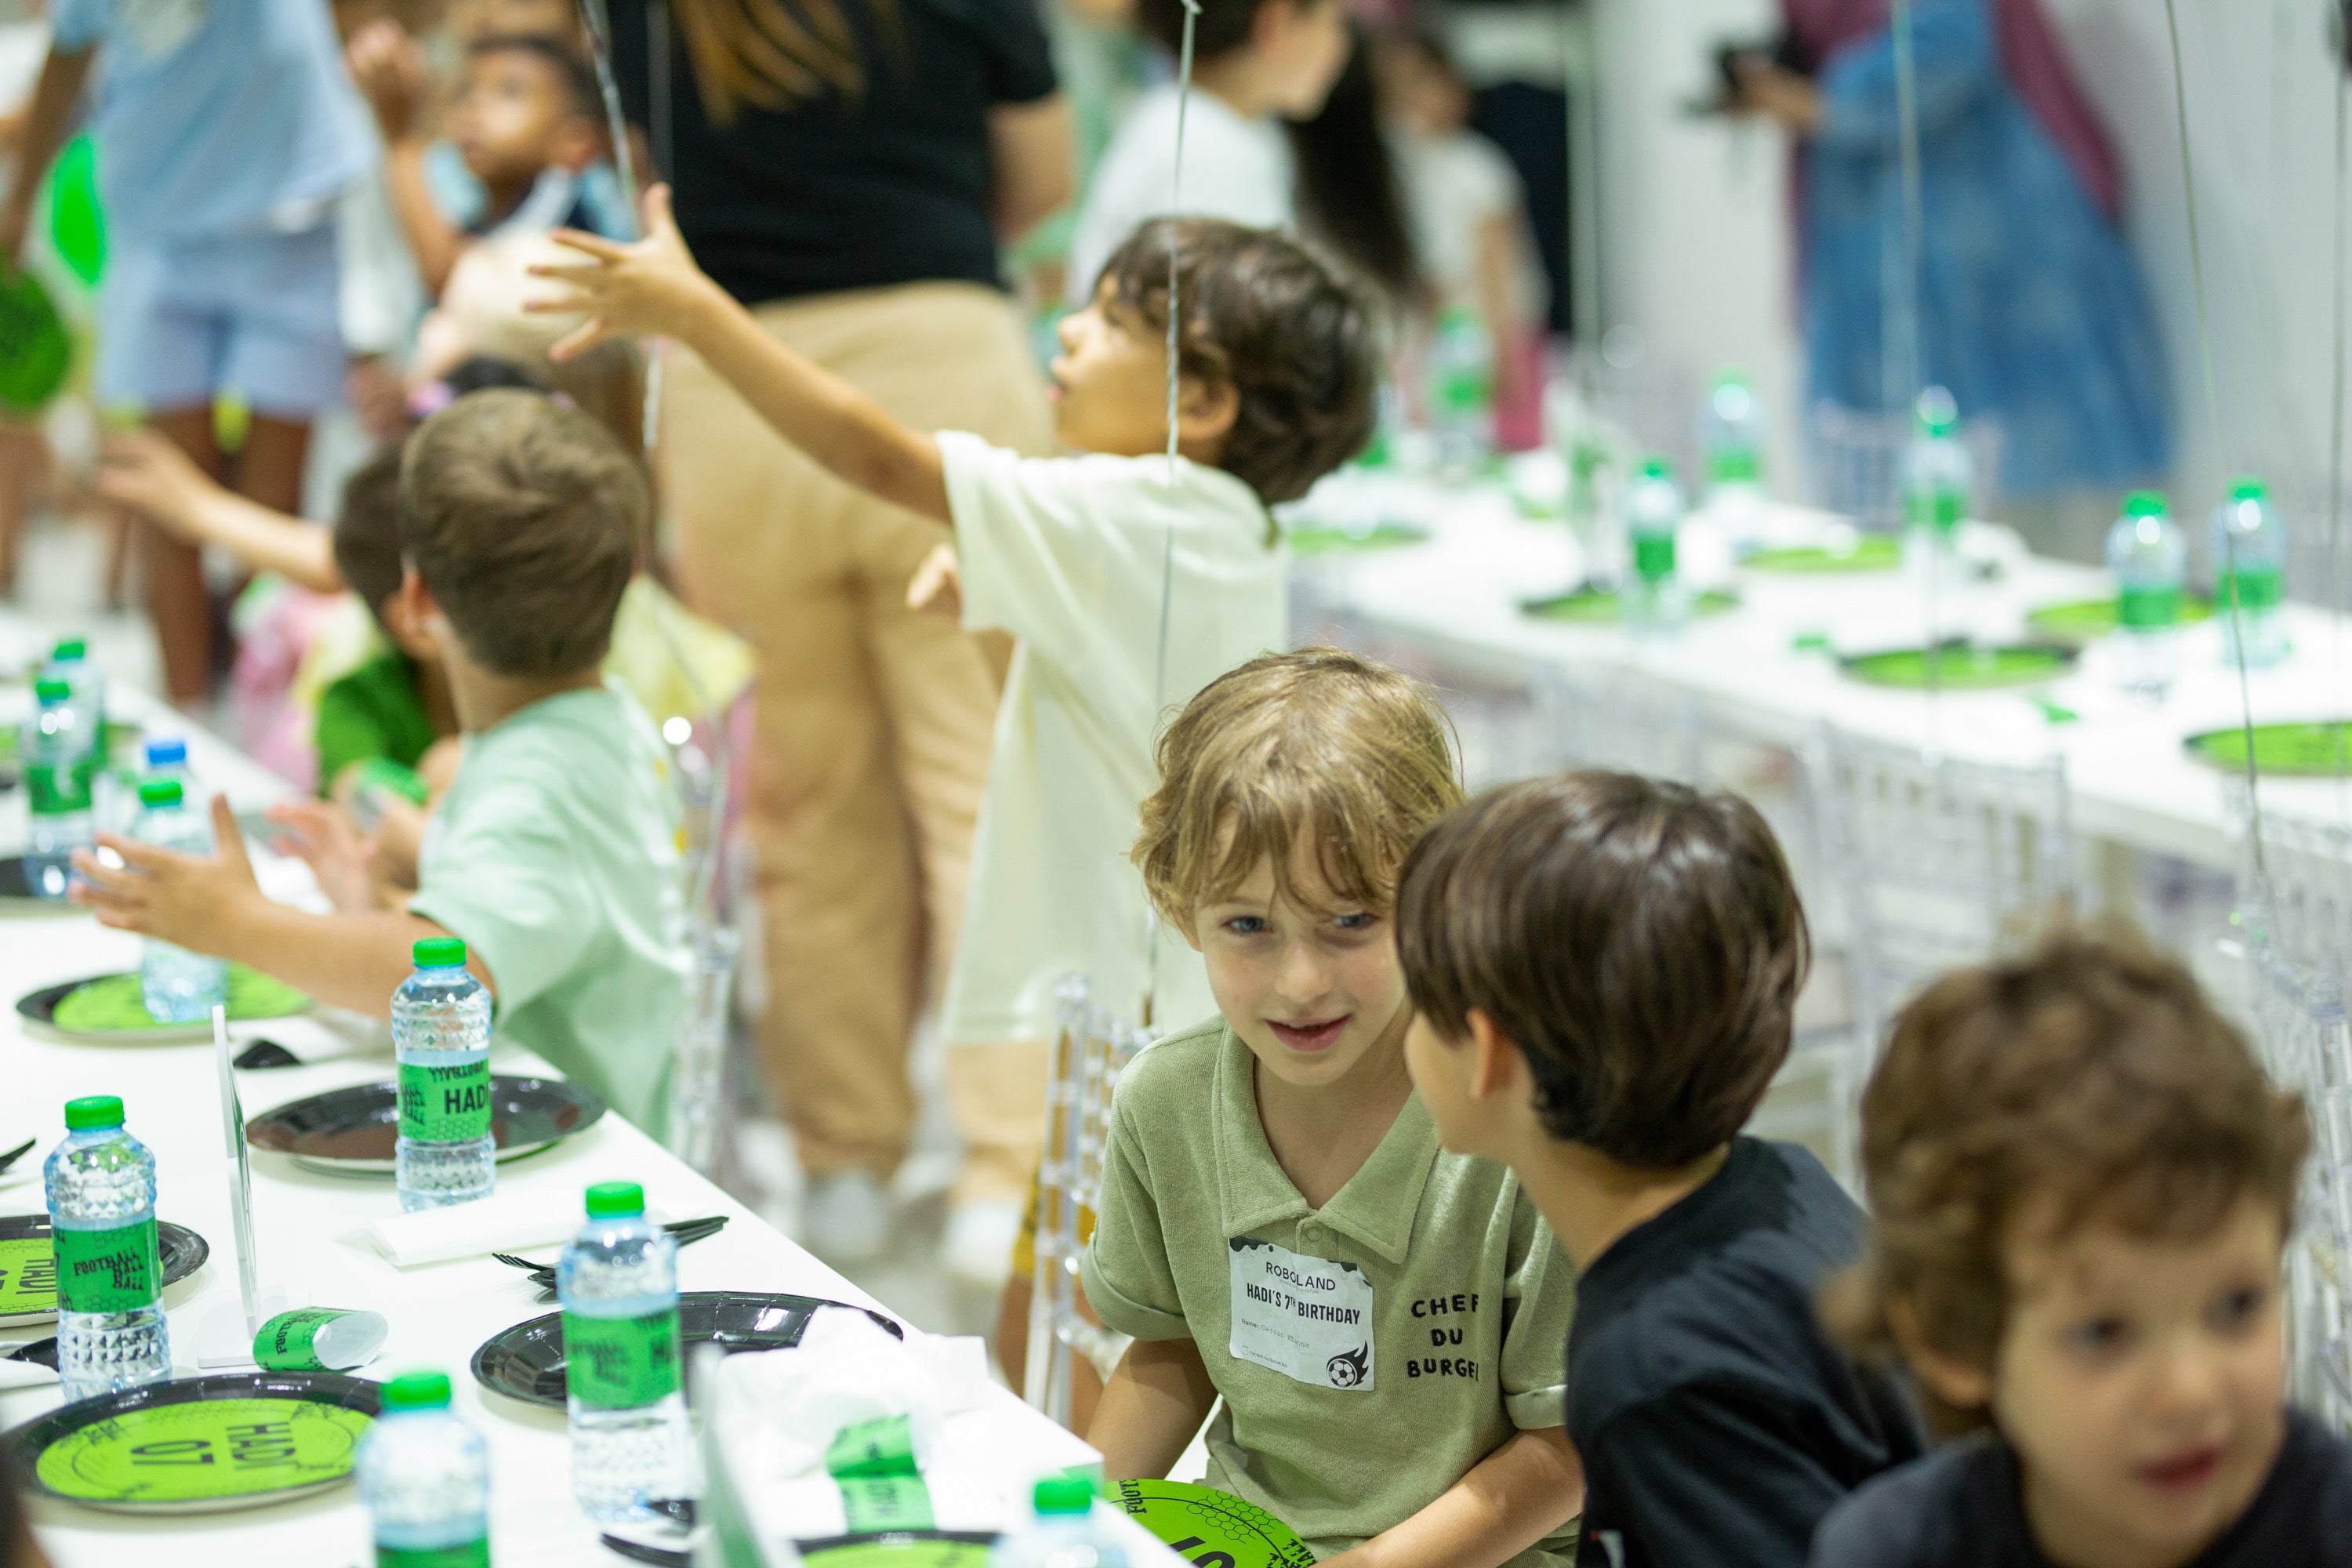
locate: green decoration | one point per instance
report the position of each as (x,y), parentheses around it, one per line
(36,351)
(2321,750)
(1868,553)
(77,220)
(1960,667)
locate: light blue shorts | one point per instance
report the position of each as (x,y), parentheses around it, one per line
(257,314)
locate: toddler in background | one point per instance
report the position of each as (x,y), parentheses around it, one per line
(1274,1160)
(2080,1186)
(555,854)
(1604,969)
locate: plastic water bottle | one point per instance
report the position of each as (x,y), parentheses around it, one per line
(168,759)
(1652,595)
(2250,575)
(70,662)
(2146,553)
(441,1034)
(1938,478)
(1461,389)
(425,1476)
(57,782)
(618,1282)
(1062,1531)
(1731,436)
(101,1192)
(178,986)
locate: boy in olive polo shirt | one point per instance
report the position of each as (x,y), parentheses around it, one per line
(1278,1224)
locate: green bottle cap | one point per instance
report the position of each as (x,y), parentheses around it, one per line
(438,952)
(417,1391)
(2249,487)
(2144,503)
(1656,468)
(93,1110)
(70,648)
(1937,412)
(158,791)
(51,692)
(1730,377)
(613,1200)
(1063,1495)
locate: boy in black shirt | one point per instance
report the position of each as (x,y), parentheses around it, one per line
(1604,969)
(2082,1183)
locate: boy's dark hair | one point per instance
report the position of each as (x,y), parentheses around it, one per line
(1640,942)
(1294,335)
(367,529)
(522,517)
(1222,26)
(572,74)
(2088,1081)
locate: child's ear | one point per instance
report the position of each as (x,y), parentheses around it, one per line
(1205,411)
(1494,1064)
(415,617)
(1958,1383)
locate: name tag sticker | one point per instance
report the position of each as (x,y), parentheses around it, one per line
(1307,1318)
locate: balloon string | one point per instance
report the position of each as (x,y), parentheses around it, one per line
(2336,454)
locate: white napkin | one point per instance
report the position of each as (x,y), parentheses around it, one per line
(23,1374)
(499,1223)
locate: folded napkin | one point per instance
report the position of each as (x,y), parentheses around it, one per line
(500,1222)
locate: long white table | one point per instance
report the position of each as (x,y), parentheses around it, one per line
(311,1236)
(1456,598)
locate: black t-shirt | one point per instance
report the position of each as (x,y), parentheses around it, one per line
(840,193)
(1717,1419)
(1961,1506)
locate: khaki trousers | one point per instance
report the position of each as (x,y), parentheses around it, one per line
(873,722)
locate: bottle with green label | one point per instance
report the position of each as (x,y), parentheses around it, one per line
(425,1476)
(1731,436)
(1461,389)
(441,1034)
(1651,597)
(111,1333)
(1061,1531)
(2145,552)
(2250,575)
(1939,480)
(58,783)
(624,1385)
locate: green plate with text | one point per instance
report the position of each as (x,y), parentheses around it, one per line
(2313,751)
(1325,538)
(200,1445)
(1864,552)
(900,1549)
(2084,621)
(1199,1523)
(1599,606)
(108,1007)
(28,1265)
(1961,667)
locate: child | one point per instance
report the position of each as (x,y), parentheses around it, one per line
(2080,1186)
(528,123)
(1079,558)
(1604,969)
(1274,1160)
(555,852)
(1255,62)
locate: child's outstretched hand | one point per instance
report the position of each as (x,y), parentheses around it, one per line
(649,288)
(936,585)
(318,833)
(189,900)
(144,471)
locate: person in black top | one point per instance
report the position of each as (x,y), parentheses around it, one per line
(1604,970)
(2082,1184)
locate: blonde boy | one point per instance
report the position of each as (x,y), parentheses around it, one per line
(1278,1226)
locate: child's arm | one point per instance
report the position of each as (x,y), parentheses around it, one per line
(211,904)
(42,132)
(389,69)
(1510,1499)
(1156,1399)
(142,470)
(653,289)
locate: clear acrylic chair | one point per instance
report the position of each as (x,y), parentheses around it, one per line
(700,762)
(2295,922)
(1091,1046)
(1934,862)
(1588,722)
(1856,458)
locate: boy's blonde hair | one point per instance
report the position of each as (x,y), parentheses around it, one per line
(1319,740)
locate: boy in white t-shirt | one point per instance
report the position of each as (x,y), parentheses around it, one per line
(1255,63)
(1280,359)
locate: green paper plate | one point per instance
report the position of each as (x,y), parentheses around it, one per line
(1598,606)
(200,1445)
(2087,620)
(36,351)
(1962,668)
(1323,539)
(1211,1529)
(28,1267)
(2288,751)
(1871,552)
(108,1006)
(900,1549)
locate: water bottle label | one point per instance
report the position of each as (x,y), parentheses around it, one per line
(1653,556)
(111,1270)
(885,1502)
(55,792)
(2258,588)
(469,1554)
(445,1104)
(2148,607)
(621,1364)
(1736,466)
(863,1449)
(1938,508)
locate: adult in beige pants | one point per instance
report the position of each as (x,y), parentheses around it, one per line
(855,206)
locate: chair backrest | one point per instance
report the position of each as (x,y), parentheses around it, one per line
(1588,722)
(701,768)
(1091,1047)
(1856,456)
